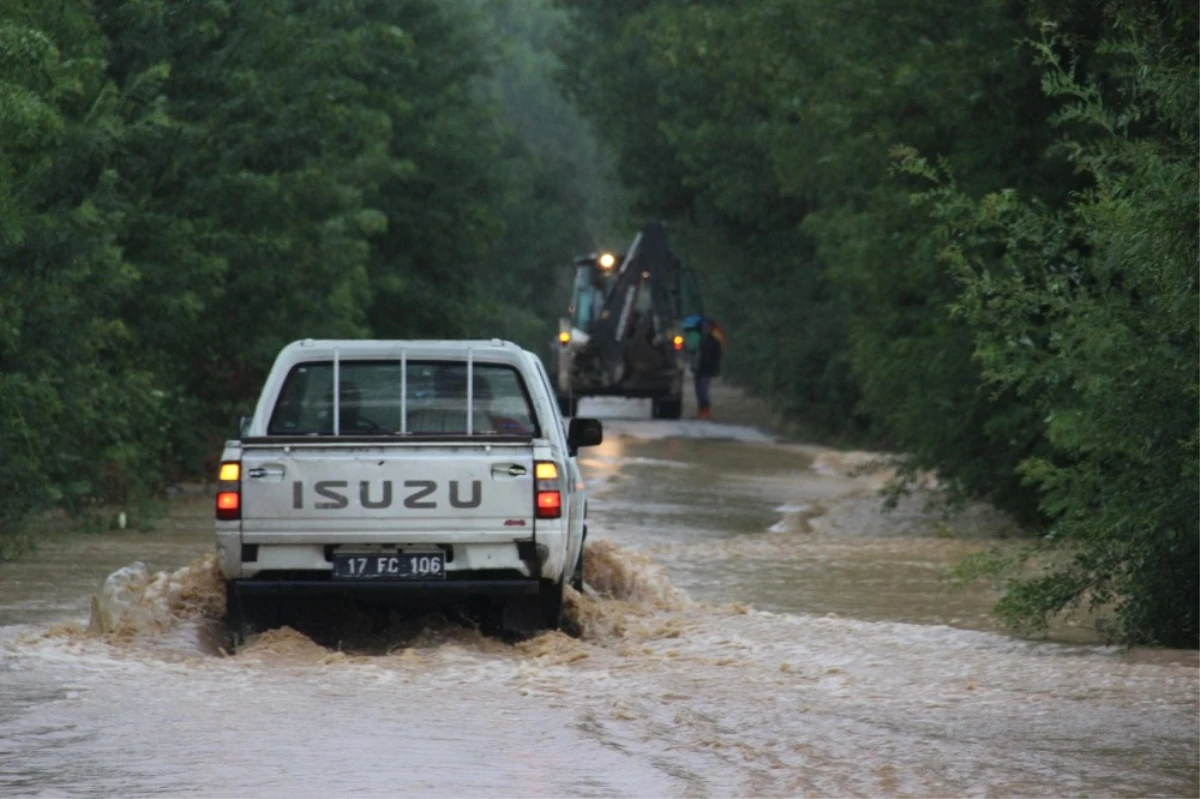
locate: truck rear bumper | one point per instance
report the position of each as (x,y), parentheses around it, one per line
(241,559)
(412,589)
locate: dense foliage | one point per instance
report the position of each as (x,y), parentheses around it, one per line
(185,187)
(969,229)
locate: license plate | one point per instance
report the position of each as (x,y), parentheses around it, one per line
(391,566)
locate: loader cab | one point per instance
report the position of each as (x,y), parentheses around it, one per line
(593,280)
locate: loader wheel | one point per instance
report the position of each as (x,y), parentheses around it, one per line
(668,408)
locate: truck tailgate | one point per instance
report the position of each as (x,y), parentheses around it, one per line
(401,492)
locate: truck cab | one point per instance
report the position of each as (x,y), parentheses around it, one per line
(401,470)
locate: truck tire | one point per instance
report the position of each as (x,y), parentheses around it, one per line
(668,408)
(550,605)
(527,616)
(248,615)
(577,575)
(237,622)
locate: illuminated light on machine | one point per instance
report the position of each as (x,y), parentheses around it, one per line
(606,260)
(229,491)
(549,505)
(547,496)
(677,342)
(564,337)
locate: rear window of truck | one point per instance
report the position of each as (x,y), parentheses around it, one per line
(437,398)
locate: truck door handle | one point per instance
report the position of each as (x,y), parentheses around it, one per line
(509,470)
(268,472)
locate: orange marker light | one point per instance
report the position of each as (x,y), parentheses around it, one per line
(678,342)
(230,472)
(546,471)
(549,504)
(564,337)
(229,500)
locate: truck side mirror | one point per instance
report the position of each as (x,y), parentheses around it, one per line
(584,433)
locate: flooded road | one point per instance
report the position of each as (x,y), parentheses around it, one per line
(756,628)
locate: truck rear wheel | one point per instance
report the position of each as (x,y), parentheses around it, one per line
(238,617)
(577,575)
(550,605)
(248,615)
(529,615)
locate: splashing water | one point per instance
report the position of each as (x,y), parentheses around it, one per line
(133,601)
(617,573)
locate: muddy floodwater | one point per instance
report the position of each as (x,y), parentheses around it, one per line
(753,625)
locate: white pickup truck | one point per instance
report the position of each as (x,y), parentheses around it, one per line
(404,470)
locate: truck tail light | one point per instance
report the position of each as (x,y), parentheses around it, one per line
(229,491)
(547,490)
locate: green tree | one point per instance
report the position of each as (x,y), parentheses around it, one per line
(558,199)
(186,187)
(1089,314)
(80,420)
(770,131)
(778,116)
(249,221)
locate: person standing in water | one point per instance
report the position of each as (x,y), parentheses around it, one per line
(708,366)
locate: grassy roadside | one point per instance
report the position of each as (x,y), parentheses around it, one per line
(15,543)
(56,526)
